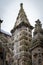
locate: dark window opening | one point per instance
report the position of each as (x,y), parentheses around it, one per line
(35,55)
(1,55)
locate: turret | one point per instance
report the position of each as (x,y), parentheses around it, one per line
(22,36)
(37,44)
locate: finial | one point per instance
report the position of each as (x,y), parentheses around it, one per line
(1,21)
(38,21)
(21,5)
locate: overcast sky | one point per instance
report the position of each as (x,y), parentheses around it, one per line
(9,11)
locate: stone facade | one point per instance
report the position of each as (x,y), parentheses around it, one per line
(21,48)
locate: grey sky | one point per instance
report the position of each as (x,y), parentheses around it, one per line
(9,10)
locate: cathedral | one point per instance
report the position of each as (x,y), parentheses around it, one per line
(21,48)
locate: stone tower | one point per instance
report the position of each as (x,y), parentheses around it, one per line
(37,44)
(21,37)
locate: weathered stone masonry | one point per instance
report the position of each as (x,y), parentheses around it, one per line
(21,48)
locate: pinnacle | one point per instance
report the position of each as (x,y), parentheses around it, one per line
(22,19)
(38,21)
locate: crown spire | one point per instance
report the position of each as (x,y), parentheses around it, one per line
(22,19)
(22,16)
